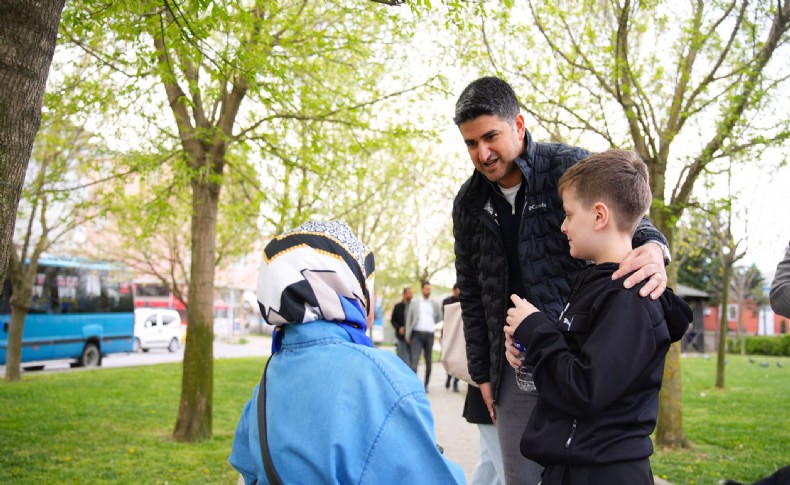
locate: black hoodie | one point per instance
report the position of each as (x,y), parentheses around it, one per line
(598,371)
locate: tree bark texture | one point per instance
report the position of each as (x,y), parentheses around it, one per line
(28,32)
(194,422)
(669,428)
(722,352)
(21,277)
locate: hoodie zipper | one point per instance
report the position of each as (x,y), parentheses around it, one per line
(570,438)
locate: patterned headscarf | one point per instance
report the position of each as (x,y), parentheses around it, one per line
(318,271)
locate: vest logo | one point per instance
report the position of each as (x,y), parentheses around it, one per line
(532,207)
(567,322)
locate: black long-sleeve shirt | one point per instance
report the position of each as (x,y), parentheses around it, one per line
(598,371)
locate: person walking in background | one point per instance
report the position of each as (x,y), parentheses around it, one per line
(421,320)
(449,301)
(398,320)
(597,404)
(506,225)
(780,288)
(335,410)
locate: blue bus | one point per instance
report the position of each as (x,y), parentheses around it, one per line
(80,311)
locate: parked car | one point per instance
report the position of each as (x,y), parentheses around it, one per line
(157,328)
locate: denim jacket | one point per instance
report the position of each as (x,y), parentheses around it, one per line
(342,413)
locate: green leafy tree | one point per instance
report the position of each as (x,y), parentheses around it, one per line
(683,85)
(284,90)
(697,254)
(53,205)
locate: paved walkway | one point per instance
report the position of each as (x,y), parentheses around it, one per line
(460,440)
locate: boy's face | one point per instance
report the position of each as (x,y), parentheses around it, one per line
(579,224)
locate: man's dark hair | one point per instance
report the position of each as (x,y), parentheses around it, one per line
(424,282)
(486,96)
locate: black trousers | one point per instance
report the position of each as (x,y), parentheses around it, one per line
(637,472)
(422,342)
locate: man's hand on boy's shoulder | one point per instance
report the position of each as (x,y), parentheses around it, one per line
(647,264)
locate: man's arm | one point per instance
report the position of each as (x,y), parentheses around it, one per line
(397,319)
(397,315)
(478,347)
(410,317)
(646,261)
(780,288)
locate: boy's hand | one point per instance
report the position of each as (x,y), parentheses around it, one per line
(517,314)
(648,263)
(512,354)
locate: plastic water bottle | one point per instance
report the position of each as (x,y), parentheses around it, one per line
(524,377)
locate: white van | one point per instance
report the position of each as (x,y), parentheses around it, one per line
(157,328)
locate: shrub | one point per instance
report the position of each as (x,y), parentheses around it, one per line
(765,345)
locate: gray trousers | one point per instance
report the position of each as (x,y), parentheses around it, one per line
(513,410)
(404,352)
(422,342)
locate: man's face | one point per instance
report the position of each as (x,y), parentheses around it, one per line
(426,291)
(407,295)
(493,145)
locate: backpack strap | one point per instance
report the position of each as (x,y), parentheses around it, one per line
(268,466)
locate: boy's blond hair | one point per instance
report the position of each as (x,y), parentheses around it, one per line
(619,179)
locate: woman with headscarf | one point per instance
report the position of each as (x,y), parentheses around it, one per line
(337,410)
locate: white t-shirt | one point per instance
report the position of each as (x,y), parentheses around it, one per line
(425,317)
(510,194)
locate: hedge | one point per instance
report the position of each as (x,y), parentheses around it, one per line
(762,345)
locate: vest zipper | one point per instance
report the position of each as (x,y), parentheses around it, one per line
(570,438)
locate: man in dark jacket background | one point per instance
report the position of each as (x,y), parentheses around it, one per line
(506,224)
(398,320)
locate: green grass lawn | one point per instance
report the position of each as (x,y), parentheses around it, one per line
(115,425)
(740,433)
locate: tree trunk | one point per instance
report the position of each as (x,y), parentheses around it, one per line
(741,328)
(725,295)
(22,289)
(197,385)
(669,428)
(28,31)
(669,431)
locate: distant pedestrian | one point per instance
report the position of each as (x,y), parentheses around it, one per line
(334,409)
(398,320)
(421,319)
(449,301)
(780,288)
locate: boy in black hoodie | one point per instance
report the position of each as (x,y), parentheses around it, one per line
(598,369)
